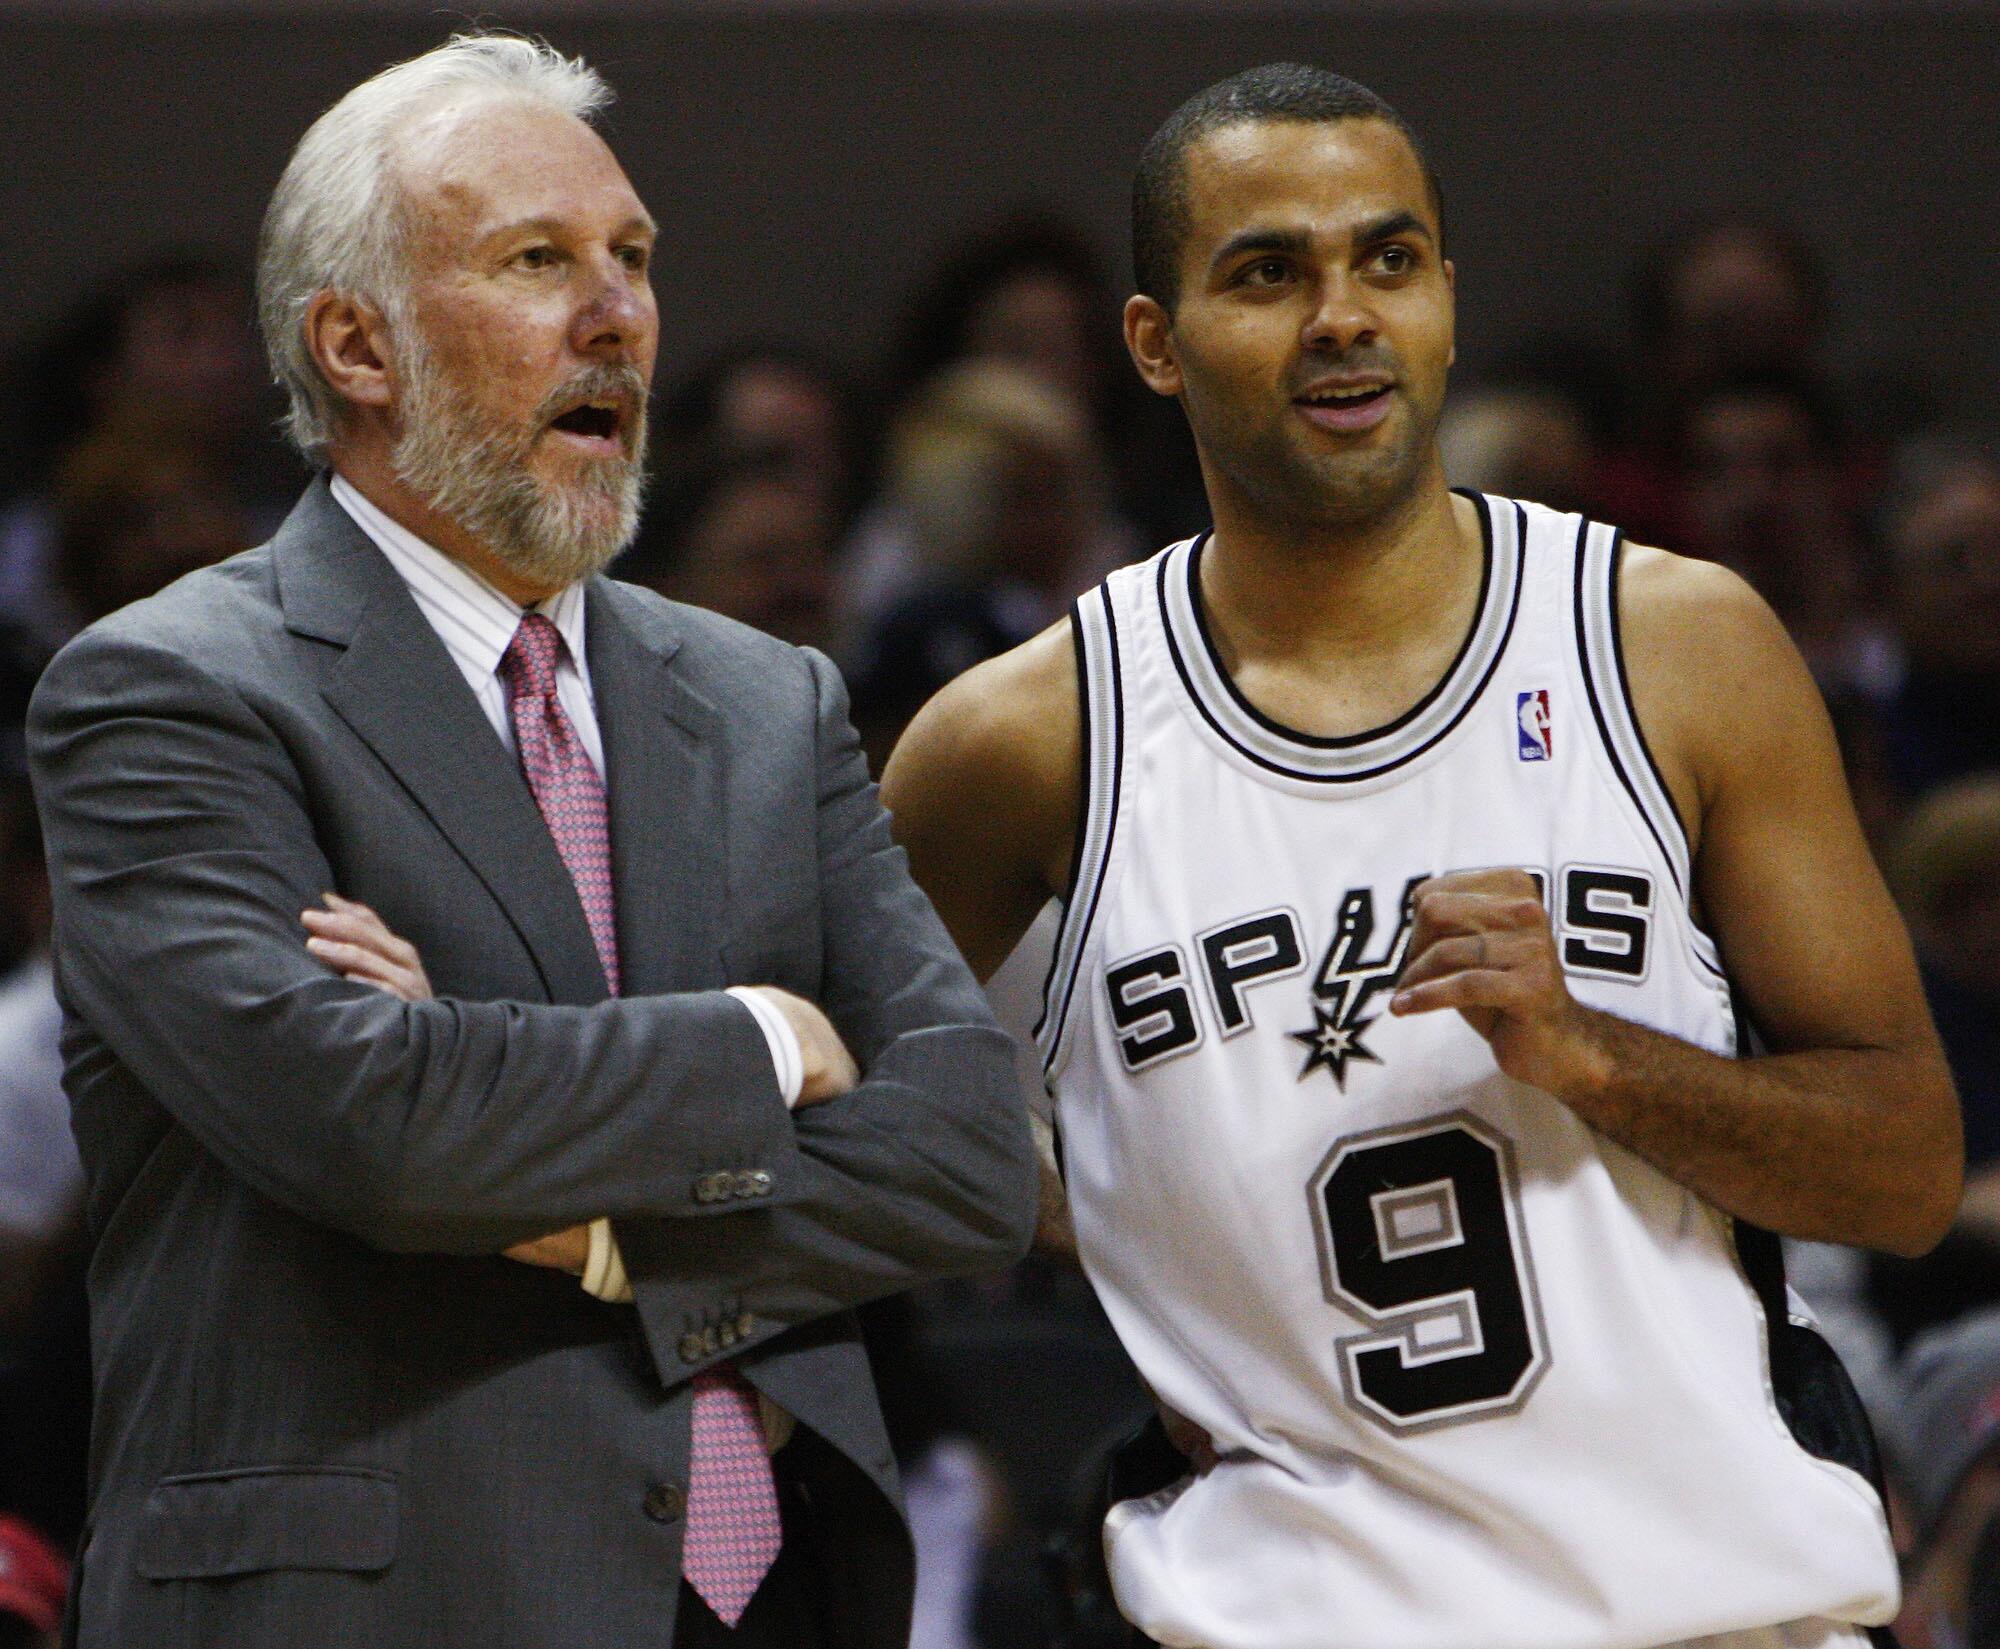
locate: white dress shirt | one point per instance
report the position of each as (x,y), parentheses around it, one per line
(476,623)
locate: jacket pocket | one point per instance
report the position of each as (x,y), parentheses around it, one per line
(207,1524)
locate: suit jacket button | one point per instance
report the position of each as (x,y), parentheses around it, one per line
(691,1351)
(666,1503)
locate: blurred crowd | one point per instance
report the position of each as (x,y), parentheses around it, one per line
(915,515)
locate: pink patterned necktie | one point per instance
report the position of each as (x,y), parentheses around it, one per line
(733,1527)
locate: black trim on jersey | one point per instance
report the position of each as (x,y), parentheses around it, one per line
(1344,741)
(1309,741)
(1632,704)
(1604,736)
(1814,1393)
(1639,732)
(1082,804)
(1117,709)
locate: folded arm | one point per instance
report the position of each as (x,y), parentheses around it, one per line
(915,1165)
(182,849)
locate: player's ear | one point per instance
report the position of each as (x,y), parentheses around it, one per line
(1149,335)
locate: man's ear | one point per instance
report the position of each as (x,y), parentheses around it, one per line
(349,342)
(1149,335)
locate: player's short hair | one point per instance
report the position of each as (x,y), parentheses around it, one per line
(336,220)
(1293,92)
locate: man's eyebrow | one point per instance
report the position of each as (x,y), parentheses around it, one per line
(1263,240)
(1389,227)
(640,223)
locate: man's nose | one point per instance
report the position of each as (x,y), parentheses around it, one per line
(616,314)
(1343,317)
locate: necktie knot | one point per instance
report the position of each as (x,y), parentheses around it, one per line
(529,665)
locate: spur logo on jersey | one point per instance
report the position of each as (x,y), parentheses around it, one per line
(1349,980)
(1534,727)
(1602,920)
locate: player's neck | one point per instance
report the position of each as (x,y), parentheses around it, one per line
(1360,588)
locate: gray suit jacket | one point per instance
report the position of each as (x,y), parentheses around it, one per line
(327,1412)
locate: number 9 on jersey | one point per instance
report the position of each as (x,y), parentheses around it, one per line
(1420,1237)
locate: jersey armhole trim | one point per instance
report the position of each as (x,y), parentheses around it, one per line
(1600,556)
(1101,708)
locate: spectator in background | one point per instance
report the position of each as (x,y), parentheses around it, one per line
(1529,443)
(1721,301)
(956,1496)
(40,1178)
(1941,528)
(44,1330)
(1714,304)
(781,406)
(1031,293)
(995,491)
(160,360)
(1763,493)
(1953,1421)
(746,537)
(34,1577)
(1945,871)
(132,519)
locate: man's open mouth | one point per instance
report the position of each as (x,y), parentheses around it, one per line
(593,419)
(1345,399)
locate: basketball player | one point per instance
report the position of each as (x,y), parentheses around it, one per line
(1426,860)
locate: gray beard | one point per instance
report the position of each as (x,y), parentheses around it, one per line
(476,475)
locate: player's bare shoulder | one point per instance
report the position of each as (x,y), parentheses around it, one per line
(1011,721)
(1716,683)
(982,790)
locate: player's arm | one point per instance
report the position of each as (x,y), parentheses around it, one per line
(1847,1130)
(982,792)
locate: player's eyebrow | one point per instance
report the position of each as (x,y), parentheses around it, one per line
(1263,240)
(1389,227)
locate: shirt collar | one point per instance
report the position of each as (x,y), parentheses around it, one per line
(473,619)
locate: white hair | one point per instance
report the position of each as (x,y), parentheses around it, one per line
(335,220)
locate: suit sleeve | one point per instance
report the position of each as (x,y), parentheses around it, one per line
(181,853)
(926,1169)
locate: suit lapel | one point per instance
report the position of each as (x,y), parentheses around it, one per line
(663,760)
(399,690)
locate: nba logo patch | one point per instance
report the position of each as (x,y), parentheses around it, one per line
(1533,727)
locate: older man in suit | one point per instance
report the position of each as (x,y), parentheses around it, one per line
(347,1390)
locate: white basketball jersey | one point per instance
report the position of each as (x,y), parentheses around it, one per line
(1479,1377)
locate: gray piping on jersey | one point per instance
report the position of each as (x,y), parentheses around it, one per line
(1599,554)
(1361,756)
(1101,706)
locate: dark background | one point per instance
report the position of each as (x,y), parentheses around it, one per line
(807,164)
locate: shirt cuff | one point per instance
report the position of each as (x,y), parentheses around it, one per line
(604,1269)
(783,1040)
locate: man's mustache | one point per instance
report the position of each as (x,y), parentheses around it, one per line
(622,384)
